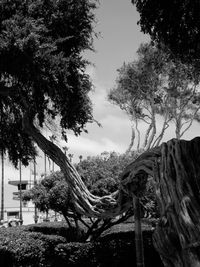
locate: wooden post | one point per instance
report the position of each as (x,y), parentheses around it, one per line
(35,182)
(2,185)
(20,193)
(138,233)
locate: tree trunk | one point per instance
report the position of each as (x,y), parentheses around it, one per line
(2,185)
(84,202)
(177,236)
(132,139)
(175,166)
(138,233)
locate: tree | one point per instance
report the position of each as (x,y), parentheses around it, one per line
(44,40)
(47,70)
(174,23)
(154,84)
(101,173)
(51,193)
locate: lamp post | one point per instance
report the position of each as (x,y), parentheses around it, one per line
(20,193)
(2,185)
(52,139)
(35,182)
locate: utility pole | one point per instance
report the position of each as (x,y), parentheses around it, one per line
(45,164)
(2,185)
(35,182)
(52,139)
(20,193)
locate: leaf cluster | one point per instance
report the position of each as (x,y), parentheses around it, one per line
(176,23)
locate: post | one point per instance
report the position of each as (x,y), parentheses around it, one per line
(2,185)
(138,233)
(35,182)
(20,193)
(45,164)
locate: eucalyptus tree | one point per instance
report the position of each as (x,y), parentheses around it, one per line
(152,85)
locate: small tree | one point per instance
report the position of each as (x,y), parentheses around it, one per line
(52,193)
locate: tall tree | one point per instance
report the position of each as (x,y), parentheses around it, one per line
(154,84)
(43,74)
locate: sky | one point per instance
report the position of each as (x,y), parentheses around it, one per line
(118,41)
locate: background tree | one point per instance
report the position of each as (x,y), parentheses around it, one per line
(101,173)
(154,84)
(51,193)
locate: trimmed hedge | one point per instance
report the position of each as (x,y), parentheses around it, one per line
(56,228)
(21,246)
(113,250)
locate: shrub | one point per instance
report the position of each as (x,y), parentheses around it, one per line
(115,250)
(21,248)
(76,254)
(56,228)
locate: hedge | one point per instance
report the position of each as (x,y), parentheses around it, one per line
(114,250)
(56,228)
(20,247)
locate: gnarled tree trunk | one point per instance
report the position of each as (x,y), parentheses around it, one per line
(175,166)
(177,236)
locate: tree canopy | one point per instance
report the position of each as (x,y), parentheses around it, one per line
(101,173)
(42,70)
(176,23)
(51,193)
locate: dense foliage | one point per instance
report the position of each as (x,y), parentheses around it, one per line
(176,23)
(101,173)
(51,193)
(42,70)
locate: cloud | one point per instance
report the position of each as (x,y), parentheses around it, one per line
(86,146)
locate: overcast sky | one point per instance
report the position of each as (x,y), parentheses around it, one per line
(119,40)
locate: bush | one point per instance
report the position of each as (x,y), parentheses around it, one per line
(56,228)
(115,250)
(76,254)
(21,248)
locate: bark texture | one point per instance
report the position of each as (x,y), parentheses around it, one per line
(177,176)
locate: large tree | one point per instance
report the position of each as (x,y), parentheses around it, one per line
(42,69)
